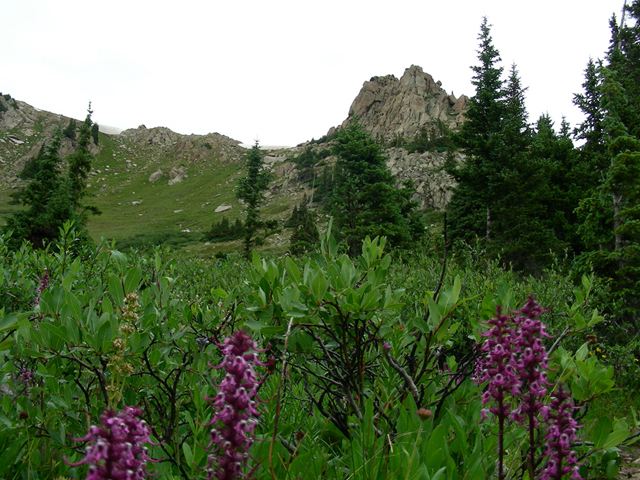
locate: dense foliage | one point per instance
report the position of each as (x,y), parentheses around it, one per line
(373,375)
(364,199)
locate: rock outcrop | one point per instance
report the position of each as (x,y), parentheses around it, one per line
(151,136)
(387,107)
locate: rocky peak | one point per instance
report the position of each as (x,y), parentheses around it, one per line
(387,107)
(150,136)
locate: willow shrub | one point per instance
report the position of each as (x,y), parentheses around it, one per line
(372,375)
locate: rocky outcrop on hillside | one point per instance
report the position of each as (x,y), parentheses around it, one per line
(189,148)
(24,130)
(433,185)
(388,107)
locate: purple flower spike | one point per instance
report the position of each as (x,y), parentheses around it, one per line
(532,360)
(235,409)
(499,365)
(116,450)
(43,283)
(561,432)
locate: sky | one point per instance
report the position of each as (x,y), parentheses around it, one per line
(281,71)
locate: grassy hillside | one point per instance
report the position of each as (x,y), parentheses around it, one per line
(136,211)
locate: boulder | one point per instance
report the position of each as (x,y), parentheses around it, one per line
(176,175)
(223,208)
(155,176)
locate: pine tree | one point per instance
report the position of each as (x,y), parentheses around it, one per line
(53,198)
(47,202)
(79,168)
(70,131)
(365,201)
(305,236)
(479,178)
(611,212)
(251,190)
(95,130)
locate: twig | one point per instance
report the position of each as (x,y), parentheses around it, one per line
(408,381)
(559,339)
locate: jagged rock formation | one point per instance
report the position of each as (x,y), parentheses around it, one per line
(388,107)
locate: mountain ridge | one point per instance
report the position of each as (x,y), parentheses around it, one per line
(154,179)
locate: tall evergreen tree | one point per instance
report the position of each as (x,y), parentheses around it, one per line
(53,198)
(251,190)
(79,168)
(502,191)
(47,202)
(479,178)
(365,200)
(612,212)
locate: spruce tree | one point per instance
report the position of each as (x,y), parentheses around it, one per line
(47,201)
(611,213)
(52,197)
(479,178)
(78,172)
(364,200)
(305,236)
(251,190)
(70,131)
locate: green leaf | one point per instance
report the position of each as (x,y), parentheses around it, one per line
(8,321)
(33,353)
(7,343)
(612,469)
(218,292)
(455,290)
(120,260)
(273,330)
(188,455)
(600,431)
(255,326)
(58,338)
(115,289)
(615,438)
(582,352)
(292,270)
(25,328)
(132,280)
(74,306)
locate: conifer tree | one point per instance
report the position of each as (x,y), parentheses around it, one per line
(479,178)
(47,202)
(95,130)
(70,131)
(501,193)
(305,236)
(53,198)
(365,200)
(251,190)
(611,213)
(79,168)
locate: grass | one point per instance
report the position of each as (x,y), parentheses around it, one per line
(138,213)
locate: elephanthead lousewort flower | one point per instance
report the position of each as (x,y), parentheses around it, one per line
(561,431)
(235,409)
(116,447)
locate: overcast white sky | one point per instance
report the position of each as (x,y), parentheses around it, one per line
(281,71)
